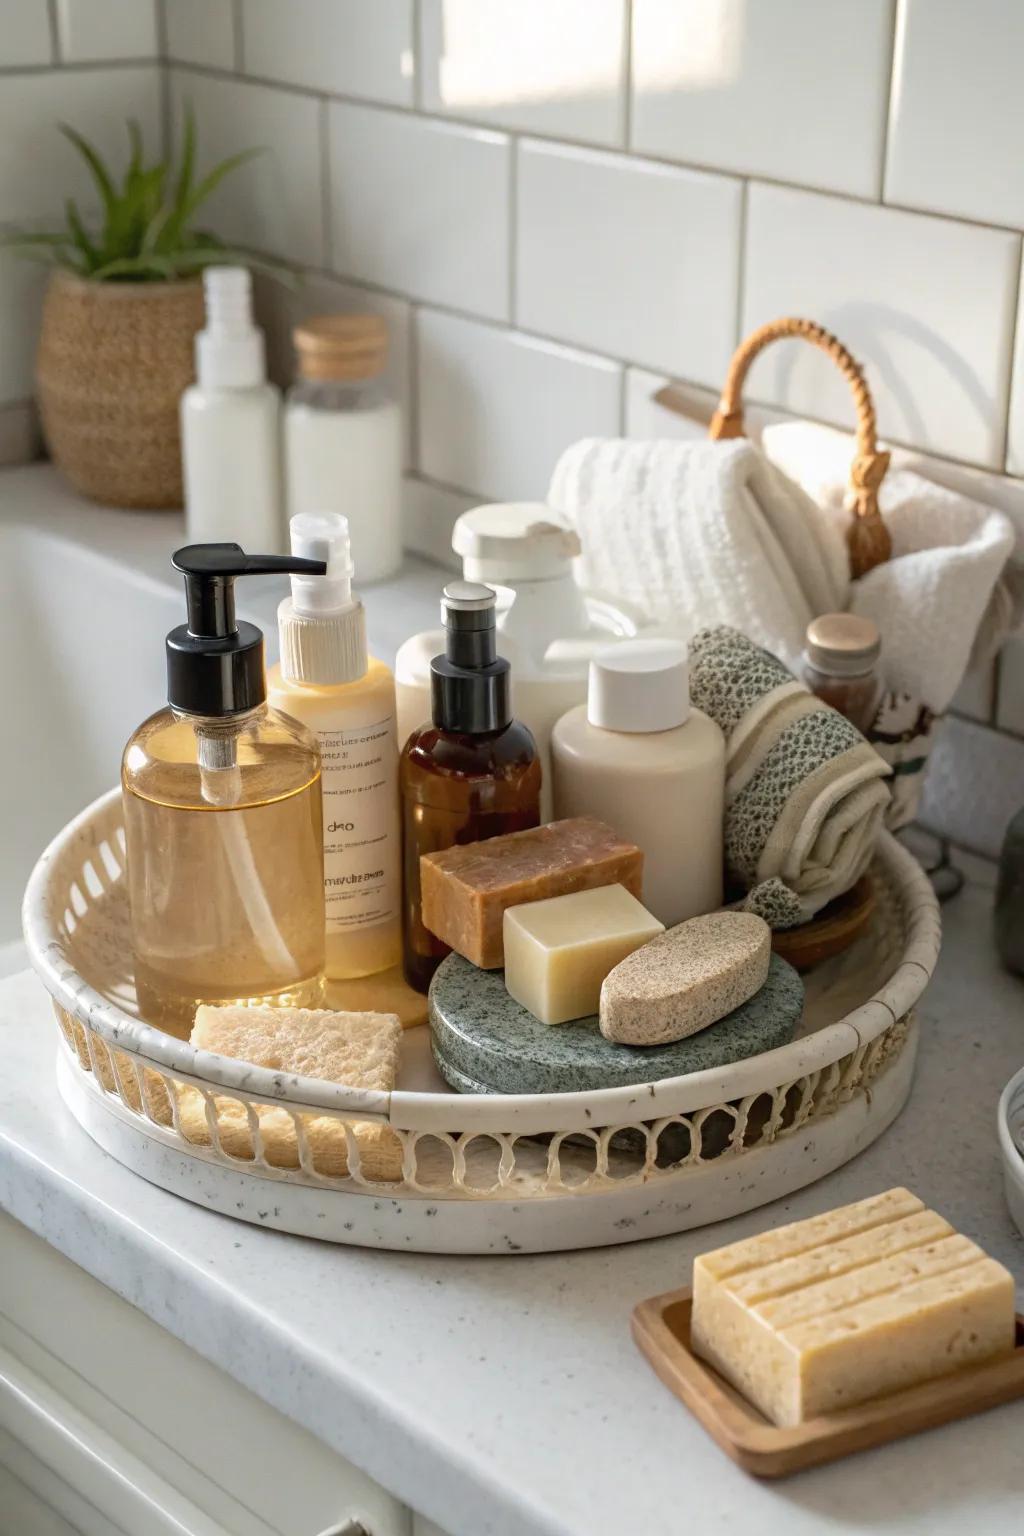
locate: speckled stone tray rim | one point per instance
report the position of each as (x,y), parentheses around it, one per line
(661,1329)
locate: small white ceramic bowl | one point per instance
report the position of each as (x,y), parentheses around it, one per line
(1011,1142)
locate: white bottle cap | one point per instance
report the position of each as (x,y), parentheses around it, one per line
(639,686)
(322,627)
(230,351)
(514,541)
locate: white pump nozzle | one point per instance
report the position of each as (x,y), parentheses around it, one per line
(322,536)
(322,626)
(229,350)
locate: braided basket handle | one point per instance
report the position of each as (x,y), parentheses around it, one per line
(868,538)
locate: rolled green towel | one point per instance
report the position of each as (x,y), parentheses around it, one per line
(804,797)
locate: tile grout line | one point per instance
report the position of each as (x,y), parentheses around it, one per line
(54,22)
(417,55)
(165,75)
(79,66)
(692,167)
(741,262)
(889,100)
(512,253)
(237,36)
(413,386)
(1016,319)
(626,76)
(326,197)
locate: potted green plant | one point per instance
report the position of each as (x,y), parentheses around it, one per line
(123,304)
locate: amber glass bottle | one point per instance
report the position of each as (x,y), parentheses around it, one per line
(472,772)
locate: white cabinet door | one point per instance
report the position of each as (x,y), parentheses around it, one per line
(148,1433)
(25,1514)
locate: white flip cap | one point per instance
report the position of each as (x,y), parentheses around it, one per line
(639,686)
(514,541)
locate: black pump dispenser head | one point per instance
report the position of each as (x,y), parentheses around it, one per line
(214,663)
(469,685)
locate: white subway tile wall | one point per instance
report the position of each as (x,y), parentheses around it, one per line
(927,303)
(543,66)
(347,47)
(275,201)
(559,204)
(496,407)
(958,110)
(668,299)
(200,32)
(792,89)
(24,33)
(39,169)
(421,207)
(88,30)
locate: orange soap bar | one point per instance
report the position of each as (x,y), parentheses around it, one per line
(466,889)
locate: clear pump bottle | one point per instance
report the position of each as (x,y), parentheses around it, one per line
(327,679)
(222,817)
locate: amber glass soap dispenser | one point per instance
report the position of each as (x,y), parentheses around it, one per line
(472,772)
(222,817)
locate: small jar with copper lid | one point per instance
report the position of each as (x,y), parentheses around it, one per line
(841,659)
(343,436)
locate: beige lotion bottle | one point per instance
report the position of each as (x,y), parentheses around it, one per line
(639,757)
(222,817)
(327,679)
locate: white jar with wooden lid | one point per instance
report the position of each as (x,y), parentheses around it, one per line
(343,436)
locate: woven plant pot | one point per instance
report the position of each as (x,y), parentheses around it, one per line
(113,361)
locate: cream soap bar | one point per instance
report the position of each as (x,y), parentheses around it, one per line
(466,889)
(823,1314)
(559,951)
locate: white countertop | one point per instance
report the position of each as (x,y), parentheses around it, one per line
(504,1397)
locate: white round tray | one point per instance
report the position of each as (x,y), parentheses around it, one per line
(479,1173)
(1010,1117)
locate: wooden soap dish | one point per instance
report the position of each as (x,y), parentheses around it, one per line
(661,1327)
(832,931)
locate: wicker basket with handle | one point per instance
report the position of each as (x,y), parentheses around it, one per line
(904,727)
(867,538)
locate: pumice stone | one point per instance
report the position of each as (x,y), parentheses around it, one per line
(686,979)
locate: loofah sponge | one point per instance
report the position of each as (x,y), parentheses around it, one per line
(685,979)
(359,1050)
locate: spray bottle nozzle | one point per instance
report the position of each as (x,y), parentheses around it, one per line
(215,664)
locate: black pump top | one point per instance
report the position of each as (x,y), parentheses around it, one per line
(469,685)
(214,663)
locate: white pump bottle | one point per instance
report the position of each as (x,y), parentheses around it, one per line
(328,681)
(548,627)
(231,425)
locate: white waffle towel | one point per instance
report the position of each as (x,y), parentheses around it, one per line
(697,534)
(947,596)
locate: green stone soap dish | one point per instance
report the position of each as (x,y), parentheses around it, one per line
(482,1036)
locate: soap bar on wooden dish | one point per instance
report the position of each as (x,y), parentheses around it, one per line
(823,1314)
(690,977)
(559,951)
(465,890)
